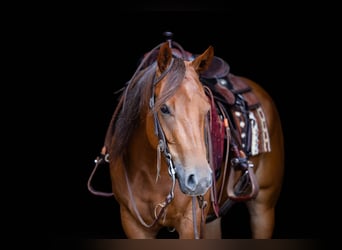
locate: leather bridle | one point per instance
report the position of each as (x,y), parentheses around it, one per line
(162,147)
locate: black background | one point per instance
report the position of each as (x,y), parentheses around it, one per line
(92,53)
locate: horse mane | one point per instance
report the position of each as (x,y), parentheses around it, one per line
(135,99)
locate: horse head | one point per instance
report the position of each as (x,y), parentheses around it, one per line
(181,111)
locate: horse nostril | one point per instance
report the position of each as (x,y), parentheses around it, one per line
(191,182)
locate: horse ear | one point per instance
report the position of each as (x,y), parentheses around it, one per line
(202,62)
(164,57)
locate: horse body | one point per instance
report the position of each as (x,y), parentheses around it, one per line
(159,153)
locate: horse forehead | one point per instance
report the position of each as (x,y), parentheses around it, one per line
(190,70)
(191,94)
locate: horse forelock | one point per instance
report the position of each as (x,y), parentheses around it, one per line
(136,98)
(172,82)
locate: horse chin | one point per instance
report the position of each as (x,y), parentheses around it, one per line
(198,192)
(193,182)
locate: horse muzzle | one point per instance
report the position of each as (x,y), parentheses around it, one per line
(194,181)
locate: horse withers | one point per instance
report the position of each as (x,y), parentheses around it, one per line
(177,148)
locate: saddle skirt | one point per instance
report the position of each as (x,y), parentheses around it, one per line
(247,121)
(238,123)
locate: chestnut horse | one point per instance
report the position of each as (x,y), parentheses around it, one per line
(177,149)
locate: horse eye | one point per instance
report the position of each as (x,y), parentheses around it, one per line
(164,109)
